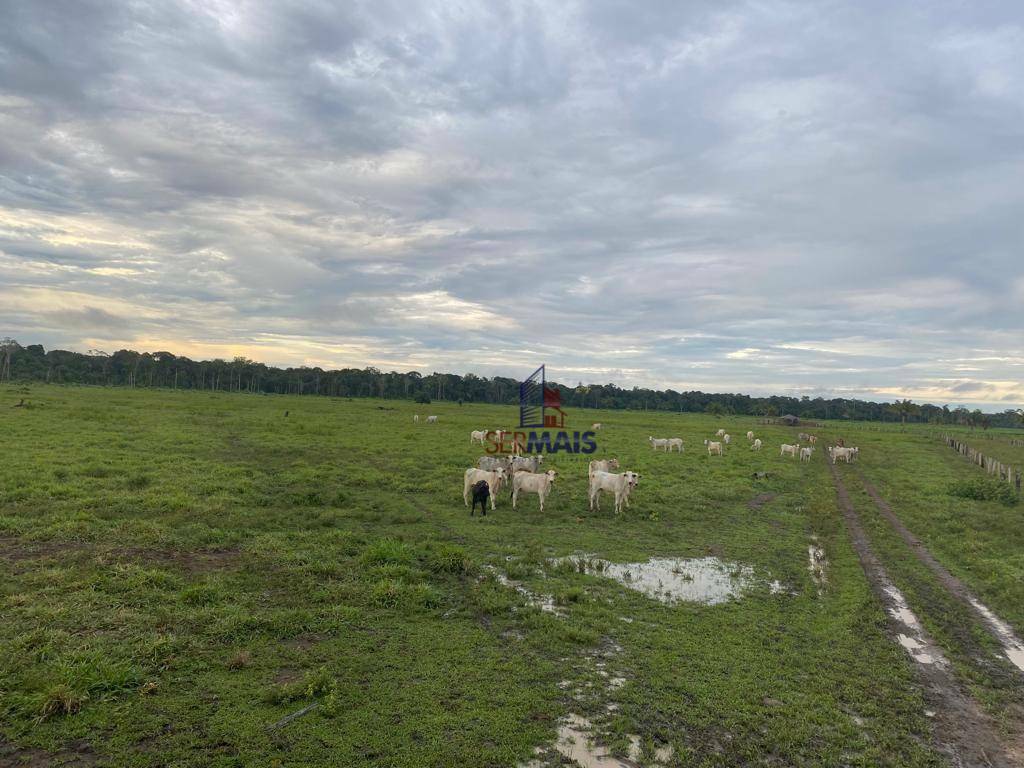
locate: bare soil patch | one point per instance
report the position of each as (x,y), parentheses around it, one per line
(77,754)
(760,500)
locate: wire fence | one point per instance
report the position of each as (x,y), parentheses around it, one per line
(994,467)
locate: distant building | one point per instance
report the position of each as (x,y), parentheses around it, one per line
(789,420)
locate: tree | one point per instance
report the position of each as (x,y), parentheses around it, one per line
(715,408)
(904,408)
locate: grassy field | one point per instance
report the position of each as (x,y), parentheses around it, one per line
(182,570)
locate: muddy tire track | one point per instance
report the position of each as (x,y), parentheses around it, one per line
(962,731)
(998,628)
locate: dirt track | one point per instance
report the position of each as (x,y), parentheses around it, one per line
(995,626)
(963,732)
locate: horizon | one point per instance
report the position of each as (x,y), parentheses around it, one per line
(723,197)
(952,406)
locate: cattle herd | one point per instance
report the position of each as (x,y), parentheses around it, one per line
(482,483)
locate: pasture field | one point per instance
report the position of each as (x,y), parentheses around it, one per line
(181,571)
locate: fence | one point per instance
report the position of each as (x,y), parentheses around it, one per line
(1012,475)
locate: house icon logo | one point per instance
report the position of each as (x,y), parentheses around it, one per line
(540,406)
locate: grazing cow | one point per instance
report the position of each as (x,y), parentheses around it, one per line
(720,433)
(713,447)
(603,465)
(674,442)
(802,436)
(527,482)
(658,442)
(596,426)
(618,484)
(805,453)
(477,436)
(812,439)
(727,439)
(431,419)
(750,435)
(481,492)
(839,452)
(789,449)
(756,446)
(474,476)
(526,463)
(491,463)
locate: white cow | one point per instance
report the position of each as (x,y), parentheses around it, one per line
(527,463)
(674,442)
(789,449)
(658,442)
(803,436)
(477,436)
(618,484)
(431,419)
(603,465)
(713,447)
(596,426)
(805,453)
(491,463)
(416,418)
(474,476)
(727,439)
(527,482)
(750,435)
(720,433)
(756,445)
(846,454)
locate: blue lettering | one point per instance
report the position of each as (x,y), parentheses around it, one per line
(589,446)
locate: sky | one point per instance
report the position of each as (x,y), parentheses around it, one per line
(762,197)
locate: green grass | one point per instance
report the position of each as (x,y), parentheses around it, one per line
(181,570)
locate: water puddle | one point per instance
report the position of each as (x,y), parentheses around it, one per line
(1012,646)
(706,580)
(817,564)
(575,744)
(545,602)
(913,638)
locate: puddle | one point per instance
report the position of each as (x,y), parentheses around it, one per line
(575,744)
(706,580)
(913,638)
(816,563)
(1012,646)
(545,602)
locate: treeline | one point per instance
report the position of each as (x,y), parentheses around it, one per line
(128,368)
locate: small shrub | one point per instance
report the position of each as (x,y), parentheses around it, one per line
(449,558)
(984,489)
(60,474)
(61,700)
(385,551)
(240,660)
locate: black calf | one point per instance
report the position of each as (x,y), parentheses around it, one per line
(481,493)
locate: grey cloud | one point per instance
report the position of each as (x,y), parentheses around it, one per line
(835,186)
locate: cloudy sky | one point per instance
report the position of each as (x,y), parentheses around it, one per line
(767,197)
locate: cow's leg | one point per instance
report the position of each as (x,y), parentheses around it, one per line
(465,492)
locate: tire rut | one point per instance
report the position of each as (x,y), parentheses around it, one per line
(962,731)
(999,629)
